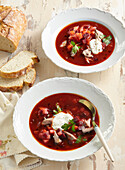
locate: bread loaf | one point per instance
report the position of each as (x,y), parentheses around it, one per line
(19,65)
(12,27)
(16,84)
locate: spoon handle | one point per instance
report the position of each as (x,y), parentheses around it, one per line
(102,140)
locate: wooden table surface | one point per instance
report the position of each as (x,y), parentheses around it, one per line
(111,81)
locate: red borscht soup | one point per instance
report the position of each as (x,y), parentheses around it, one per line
(61,122)
(85,43)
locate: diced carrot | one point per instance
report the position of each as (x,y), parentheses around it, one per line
(76,37)
(92,32)
(69,47)
(51,132)
(88,31)
(87,41)
(84,31)
(79,36)
(48,127)
(76,127)
(71,32)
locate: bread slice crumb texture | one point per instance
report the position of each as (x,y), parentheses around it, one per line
(17,84)
(18,65)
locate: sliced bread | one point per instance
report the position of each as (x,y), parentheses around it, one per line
(16,84)
(19,65)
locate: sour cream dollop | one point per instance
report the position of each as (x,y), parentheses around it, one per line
(96,46)
(60,119)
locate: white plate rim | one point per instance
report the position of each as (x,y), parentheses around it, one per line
(67,78)
(76,69)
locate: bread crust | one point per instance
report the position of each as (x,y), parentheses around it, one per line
(10,89)
(17,74)
(22,71)
(33,80)
(12,25)
(17,88)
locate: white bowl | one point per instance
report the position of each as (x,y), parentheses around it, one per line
(73,15)
(58,85)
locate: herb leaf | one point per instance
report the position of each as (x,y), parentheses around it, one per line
(109,37)
(93,123)
(58,107)
(78,140)
(102,36)
(72,122)
(107,40)
(73,43)
(73,128)
(74,50)
(55,111)
(66,126)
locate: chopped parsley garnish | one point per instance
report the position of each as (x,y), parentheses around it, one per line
(75,48)
(84,139)
(73,128)
(73,43)
(58,109)
(79,47)
(79,139)
(102,36)
(107,40)
(71,124)
(109,37)
(66,126)
(55,111)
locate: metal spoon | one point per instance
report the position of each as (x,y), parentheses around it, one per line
(90,106)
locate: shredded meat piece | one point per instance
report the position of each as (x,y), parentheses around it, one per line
(86,130)
(98,34)
(70,136)
(47,121)
(63,44)
(56,138)
(87,53)
(88,60)
(87,122)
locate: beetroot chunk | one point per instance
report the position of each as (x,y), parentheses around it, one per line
(43,111)
(44,135)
